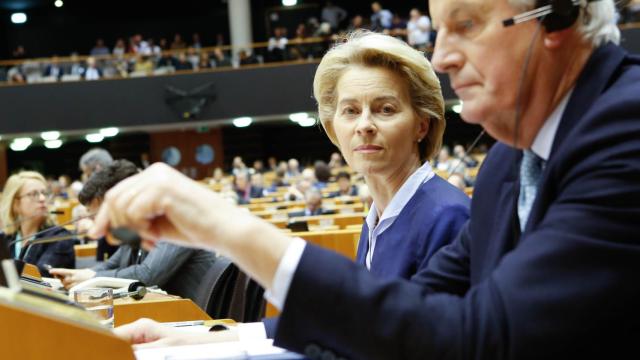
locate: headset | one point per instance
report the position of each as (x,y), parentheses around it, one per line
(555,15)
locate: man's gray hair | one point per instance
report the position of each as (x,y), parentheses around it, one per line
(597,24)
(94,157)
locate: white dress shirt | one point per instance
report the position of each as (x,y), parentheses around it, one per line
(543,142)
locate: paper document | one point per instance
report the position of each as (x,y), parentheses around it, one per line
(226,350)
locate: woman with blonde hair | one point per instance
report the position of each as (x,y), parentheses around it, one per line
(23,213)
(381,104)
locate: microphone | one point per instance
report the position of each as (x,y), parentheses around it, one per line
(137,290)
(34,236)
(561,8)
(466,153)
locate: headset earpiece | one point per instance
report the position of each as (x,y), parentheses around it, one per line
(564,15)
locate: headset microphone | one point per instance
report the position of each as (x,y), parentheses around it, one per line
(555,15)
(136,290)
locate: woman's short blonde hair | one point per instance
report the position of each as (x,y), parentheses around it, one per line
(364,48)
(11,189)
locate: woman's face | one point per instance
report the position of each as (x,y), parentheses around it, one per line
(375,125)
(31,201)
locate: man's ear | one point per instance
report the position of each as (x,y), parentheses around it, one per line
(555,40)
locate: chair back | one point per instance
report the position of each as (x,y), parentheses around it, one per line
(216,291)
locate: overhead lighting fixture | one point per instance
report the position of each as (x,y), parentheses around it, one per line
(308,122)
(297,117)
(457,108)
(289,2)
(242,122)
(20,144)
(53,144)
(19,18)
(58,3)
(109,132)
(50,135)
(94,138)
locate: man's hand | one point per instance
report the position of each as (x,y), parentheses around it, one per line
(72,277)
(146,333)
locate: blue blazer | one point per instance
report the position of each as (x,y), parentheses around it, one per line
(567,287)
(430,220)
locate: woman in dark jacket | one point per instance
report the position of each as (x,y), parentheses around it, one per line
(23,213)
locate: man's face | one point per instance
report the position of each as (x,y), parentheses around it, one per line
(484,60)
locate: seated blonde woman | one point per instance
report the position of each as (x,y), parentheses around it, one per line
(24,212)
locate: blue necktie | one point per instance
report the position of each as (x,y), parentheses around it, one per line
(530,173)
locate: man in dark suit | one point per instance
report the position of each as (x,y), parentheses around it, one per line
(547,266)
(555,278)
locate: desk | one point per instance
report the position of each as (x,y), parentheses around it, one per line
(86,250)
(159,307)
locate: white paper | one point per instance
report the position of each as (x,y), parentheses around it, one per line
(224,350)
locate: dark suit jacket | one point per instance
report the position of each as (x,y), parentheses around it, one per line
(565,288)
(57,254)
(178,270)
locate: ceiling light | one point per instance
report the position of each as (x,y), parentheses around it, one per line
(58,3)
(242,122)
(53,144)
(108,132)
(310,121)
(19,18)
(297,117)
(20,144)
(457,108)
(50,135)
(289,2)
(94,138)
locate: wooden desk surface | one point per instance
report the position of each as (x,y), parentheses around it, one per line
(159,307)
(86,250)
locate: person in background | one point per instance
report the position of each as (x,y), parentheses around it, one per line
(94,160)
(23,213)
(418,30)
(92,195)
(220,58)
(333,15)
(99,49)
(244,188)
(293,168)
(336,161)
(91,72)
(322,174)
(313,204)
(345,188)
(54,69)
(381,19)
(176,269)
(258,167)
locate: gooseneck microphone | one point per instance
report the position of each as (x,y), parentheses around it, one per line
(34,236)
(124,235)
